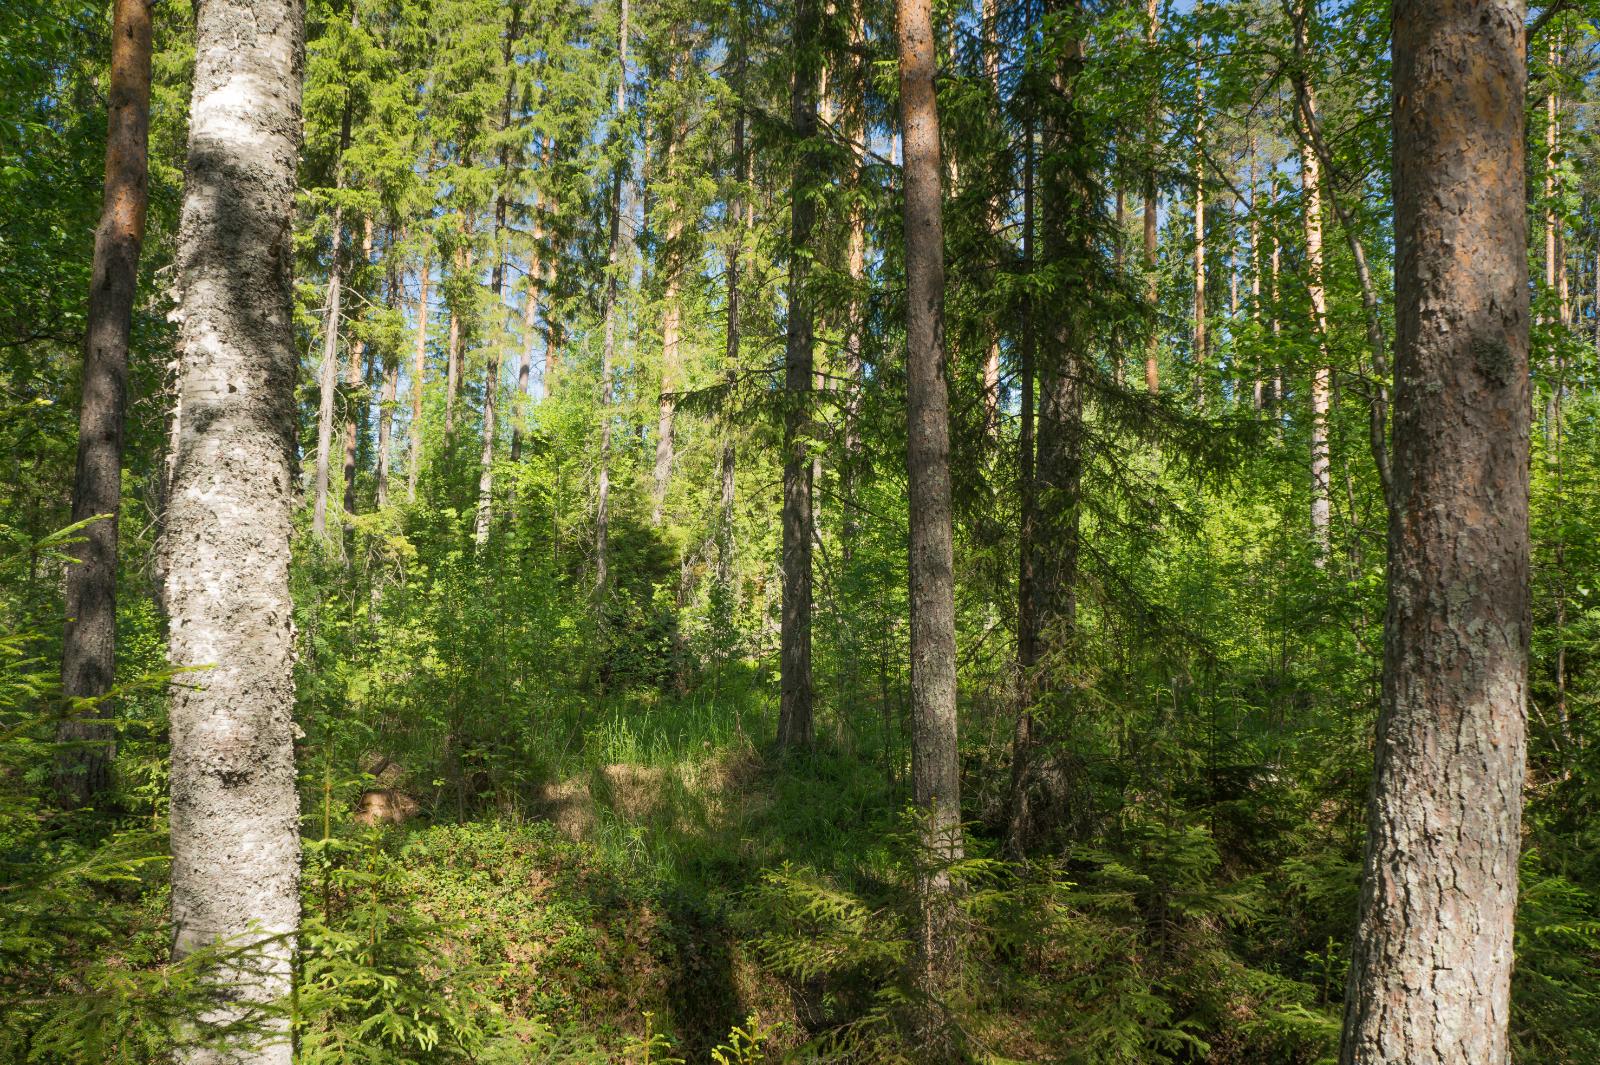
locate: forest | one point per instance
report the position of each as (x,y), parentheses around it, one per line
(827,531)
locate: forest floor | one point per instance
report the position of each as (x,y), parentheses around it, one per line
(615,900)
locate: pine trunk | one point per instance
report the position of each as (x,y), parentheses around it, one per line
(935,769)
(88,653)
(1430,974)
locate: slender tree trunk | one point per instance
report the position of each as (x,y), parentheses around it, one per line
(1027,590)
(552,327)
(935,769)
(1321,375)
(1258,385)
(1037,802)
(1430,973)
(1152,375)
(88,652)
(741,163)
(795,702)
(419,376)
(484,518)
(856,264)
(1377,342)
(1276,391)
(452,376)
(671,327)
(530,335)
(234,809)
(608,351)
(1554,267)
(1201,343)
(328,380)
(391,388)
(353,379)
(991,73)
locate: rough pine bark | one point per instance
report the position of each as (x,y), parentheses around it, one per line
(234,810)
(88,652)
(795,699)
(935,770)
(1430,974)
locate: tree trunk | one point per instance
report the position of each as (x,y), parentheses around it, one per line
(1321,375)
(741,163)
(1027,591)
(353,379)
(88,652)
(1258,384)
(484,517)
(1152,375)
(856,264)
(1430,974)
(391,387)
(935,769)
(328,377)
(234,809)
(419,376)
(530,335)
(452,376)
(608,351)
(671,323)
(530,332)
(991,73)
(1201,344)
(1037,802)
(1377,343)
(795,702)
(552,327)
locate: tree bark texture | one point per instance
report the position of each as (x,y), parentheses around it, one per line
(795,700)
(234,812)
(935,769)
(88,653)
(1430,974)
